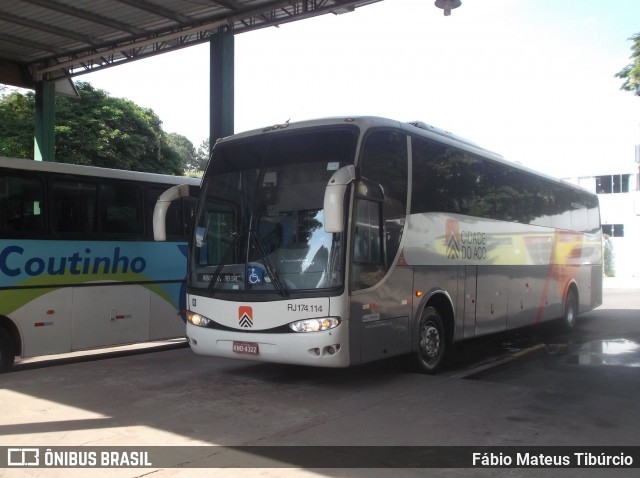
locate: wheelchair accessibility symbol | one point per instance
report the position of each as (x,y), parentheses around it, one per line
(255,275)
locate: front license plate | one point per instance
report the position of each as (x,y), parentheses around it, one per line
(248,348)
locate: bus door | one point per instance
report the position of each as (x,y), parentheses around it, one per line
(381,300)
(381,283)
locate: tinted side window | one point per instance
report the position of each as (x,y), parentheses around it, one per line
(449,180)
(384,161)
(520,196)
(367,246)
(74,207)
(452,181)
(594,212)
(368,261)
(561,217)
(120,209)
(434,185)
(20,205)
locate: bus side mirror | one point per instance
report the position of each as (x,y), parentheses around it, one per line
(334,198)
(162,205)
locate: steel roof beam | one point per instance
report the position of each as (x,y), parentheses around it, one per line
(156,9)
(230,4)
(35,25)
(272,14)
(29,44)
(91,17)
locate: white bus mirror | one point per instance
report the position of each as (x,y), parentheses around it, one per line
(334,198)
(162,205)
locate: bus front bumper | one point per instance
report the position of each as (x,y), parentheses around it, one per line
(317,349)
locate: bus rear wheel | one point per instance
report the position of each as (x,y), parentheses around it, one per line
(432,344)
(570,310)
(7,351)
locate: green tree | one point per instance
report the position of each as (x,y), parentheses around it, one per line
(122,134)
(631,73)
(16,125)
(202,156)
(96,130)
(184,148)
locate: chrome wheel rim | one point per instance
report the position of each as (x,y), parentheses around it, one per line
(430,341)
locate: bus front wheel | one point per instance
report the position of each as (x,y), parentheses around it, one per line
(7,352)
(430,353)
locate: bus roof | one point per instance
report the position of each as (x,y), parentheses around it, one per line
(63,168)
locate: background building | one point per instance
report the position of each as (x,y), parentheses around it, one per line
(619,195)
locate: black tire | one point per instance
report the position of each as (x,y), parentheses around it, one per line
(7,350)
(570,311)
(432,342)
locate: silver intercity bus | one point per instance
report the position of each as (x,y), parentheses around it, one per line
(342,241)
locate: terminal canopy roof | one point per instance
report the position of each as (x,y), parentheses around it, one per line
(56,39)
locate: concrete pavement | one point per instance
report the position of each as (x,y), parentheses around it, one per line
(176,398)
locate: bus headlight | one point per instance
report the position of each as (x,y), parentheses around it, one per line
(315,325)
(197,319)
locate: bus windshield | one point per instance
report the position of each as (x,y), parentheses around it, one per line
(260,226)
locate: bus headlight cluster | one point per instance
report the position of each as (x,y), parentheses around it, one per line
(197,319)
(315,325)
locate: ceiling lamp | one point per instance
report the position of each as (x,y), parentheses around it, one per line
(448,5)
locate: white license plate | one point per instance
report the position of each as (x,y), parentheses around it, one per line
(247,348)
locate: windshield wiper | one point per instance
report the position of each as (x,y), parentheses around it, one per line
(277,282)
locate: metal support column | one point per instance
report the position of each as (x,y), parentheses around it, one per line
(45,116)
(221,75)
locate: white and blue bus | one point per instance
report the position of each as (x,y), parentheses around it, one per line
(79,268)
(341,241)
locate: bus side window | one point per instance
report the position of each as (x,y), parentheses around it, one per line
(368,259)
(367,247)
(385,162)
(434,179)
(120,209)
(74,204)
(20,205)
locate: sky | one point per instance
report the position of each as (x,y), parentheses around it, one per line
(532,80)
